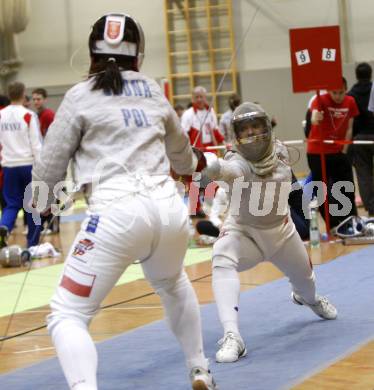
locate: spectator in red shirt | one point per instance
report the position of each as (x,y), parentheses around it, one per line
(200,123)
(332,119)
(46,115)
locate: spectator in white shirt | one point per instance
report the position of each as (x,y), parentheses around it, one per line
(21,144)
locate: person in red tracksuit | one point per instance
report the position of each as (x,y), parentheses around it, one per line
(200,123)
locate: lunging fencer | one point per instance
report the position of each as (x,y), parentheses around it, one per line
(256,173)
(122,135)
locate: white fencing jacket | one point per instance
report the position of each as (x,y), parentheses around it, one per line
(136,134)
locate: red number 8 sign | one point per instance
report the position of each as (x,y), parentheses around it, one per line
(315,58)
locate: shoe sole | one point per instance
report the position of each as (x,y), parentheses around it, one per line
(296,301)
(199,385)
(320,316)
(243,354)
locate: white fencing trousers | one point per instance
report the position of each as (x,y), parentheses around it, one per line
(154,231)
(242,247)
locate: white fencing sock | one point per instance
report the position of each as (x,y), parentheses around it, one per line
(226,288)
(183,316)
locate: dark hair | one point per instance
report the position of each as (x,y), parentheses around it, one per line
(345,84)
(106,68)
(178,106)
(234,101)
(363,71)
(16,91)
(4,101)
(40,91)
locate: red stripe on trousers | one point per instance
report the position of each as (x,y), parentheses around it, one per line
(75,288)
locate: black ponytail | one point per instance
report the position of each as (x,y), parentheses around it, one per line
(107,76)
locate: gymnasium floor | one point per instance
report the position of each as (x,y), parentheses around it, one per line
(132,304)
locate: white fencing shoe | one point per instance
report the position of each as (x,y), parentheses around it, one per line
(202,379)
(323,308)
(232,348)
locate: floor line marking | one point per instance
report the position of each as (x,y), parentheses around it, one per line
(34,350)
(108,309)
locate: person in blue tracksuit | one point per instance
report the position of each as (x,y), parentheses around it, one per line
(21,144)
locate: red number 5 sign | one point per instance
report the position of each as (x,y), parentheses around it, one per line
(315,58)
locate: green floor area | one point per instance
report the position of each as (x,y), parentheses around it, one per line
(40,283)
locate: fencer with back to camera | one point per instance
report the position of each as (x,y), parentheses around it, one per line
(122,135)
(256,172)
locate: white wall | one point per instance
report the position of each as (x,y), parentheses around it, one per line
(56,31)
(362,30)
(59,27)
(266,43)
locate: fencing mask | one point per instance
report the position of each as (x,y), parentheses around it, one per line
(254,137)
(356,227)
(117,35)
(14,256)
